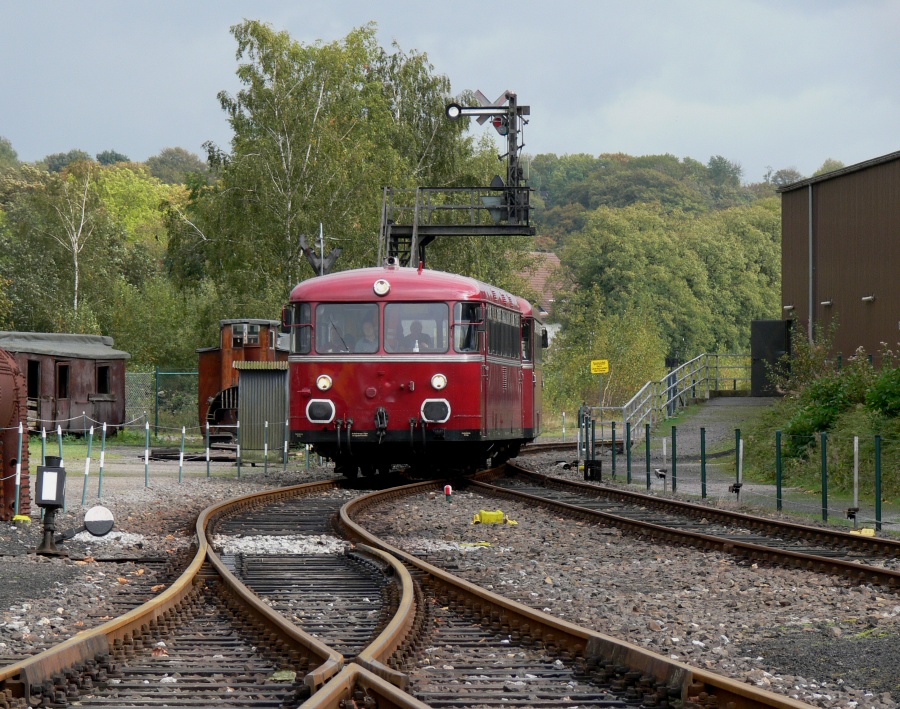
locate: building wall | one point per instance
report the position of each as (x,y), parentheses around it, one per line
(855,254)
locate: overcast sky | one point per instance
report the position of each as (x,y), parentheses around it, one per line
(764,83)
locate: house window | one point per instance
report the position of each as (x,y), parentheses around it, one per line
(103,386)
(34,379)
(62,381)
(252,334)
(237,335)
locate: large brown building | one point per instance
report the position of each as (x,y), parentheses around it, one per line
(840,255)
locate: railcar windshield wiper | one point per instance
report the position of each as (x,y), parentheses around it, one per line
(339,334)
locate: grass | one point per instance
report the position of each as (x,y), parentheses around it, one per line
(806,472)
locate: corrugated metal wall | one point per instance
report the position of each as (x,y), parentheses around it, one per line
(856,254)
(263,397)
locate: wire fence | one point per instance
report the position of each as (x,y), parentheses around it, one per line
(853,485)
(146,456)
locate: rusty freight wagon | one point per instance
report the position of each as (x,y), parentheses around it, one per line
(71,380)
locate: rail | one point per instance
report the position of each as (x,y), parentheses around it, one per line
(704,376)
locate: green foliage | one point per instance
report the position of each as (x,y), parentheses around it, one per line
(884,395)
(160,325)
(822,391)
(318,131)
(701,278)
(173,166)
(620,181)
(830,165)
(56,162)
(820,405)
(9,159)
(784,177)
(133,198)
(630,341)
(111,157)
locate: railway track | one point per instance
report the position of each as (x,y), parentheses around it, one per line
(868,559)
(209,639)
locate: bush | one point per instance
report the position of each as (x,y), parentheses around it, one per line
(884,395)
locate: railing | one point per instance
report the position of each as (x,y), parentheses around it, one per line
(659,400)
(410,218)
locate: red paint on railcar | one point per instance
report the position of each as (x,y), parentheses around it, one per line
(450,377)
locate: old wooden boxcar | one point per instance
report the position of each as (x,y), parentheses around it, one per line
(72,381)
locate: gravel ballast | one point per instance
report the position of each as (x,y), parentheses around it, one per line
(824,641)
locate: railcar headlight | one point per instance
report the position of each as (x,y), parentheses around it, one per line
(439,381)
(323,382)
(381,287)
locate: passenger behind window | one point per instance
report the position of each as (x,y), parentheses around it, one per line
(368,343)
(416,340)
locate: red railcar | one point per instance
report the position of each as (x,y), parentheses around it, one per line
(398,365)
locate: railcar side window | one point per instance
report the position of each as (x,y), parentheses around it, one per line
(347,327)
(416,327)
(526,339)
(504,328)
(466,319)
(301,329)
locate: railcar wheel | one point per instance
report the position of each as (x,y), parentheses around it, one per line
(368,470)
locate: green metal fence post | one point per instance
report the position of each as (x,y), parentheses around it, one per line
(614,450)
(207,449)
(628,452)
(647,450)
(878,483)
(778,470)
(823,437)
(87,466)
(702,463)
(737,456)
(674,458)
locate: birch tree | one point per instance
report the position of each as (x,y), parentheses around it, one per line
(319,129)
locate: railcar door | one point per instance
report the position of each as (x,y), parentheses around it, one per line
(528,377)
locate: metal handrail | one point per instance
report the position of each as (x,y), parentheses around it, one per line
(658,400)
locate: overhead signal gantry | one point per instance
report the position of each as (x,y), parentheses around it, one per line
(412,218)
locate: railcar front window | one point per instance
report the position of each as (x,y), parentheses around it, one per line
(416,327)
(347,327)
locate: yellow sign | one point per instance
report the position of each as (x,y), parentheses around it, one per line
(599,366)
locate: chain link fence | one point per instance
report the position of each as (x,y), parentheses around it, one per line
(168,400)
